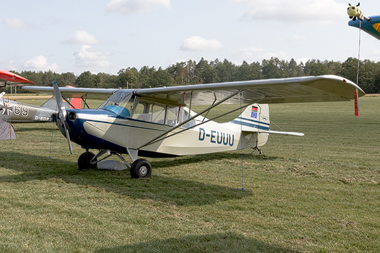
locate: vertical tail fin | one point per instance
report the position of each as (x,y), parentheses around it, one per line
(52,104)
(255,118)
(255,124)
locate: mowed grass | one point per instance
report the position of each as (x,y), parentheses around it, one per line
(317,193)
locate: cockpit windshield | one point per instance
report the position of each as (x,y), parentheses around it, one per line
(117,103)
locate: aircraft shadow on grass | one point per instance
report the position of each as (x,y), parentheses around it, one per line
(159,188)
(45,128)
(219,242)
(209,157)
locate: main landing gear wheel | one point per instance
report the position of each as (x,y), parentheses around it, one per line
(84,161)
(141,168)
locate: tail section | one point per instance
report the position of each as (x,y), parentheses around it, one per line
(255,124)
(260,121)
(255,118)
(52,104)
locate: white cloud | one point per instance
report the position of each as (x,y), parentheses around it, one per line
(257,54)
(197,43)
(11,64)
(81,37)
(89,58)
(17,23)
(136,6)
(40,63)
(297,38)
(306,11)
(376,53)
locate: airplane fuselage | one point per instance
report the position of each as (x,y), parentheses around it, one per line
(19,112)
(102,129)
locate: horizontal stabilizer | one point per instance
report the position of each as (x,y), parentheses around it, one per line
(283,132)
(272,132)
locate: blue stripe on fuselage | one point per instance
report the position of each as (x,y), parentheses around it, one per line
(254,124)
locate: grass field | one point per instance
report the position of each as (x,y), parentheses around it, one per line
(317,193)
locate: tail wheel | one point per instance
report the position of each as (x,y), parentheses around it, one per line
(141,168)
(84,161)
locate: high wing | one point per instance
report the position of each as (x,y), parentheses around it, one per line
(72,92)
(285,90)
(265,91)
(7,78)
(371,27)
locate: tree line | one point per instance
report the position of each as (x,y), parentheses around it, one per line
(192,72)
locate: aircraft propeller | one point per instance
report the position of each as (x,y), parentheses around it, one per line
(61,117)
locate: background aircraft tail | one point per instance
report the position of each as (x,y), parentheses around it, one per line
(52,104)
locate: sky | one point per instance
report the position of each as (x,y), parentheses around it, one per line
(109,35)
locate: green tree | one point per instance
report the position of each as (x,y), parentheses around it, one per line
(98,80)
(205,73)
(33,76)
(349,69)
(334,67)
(177,72)
(226,71)
(160,78)
(127,78)
(316,68)
(271,68)
(47,78)
(294,69)
(368,76)
(66,79)
(109,81)
(145,74)
(86,79)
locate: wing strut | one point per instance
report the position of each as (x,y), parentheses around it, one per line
(210,110)
(161,137)
(203,122)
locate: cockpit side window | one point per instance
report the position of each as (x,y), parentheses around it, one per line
(158,113)
(141,112)
(123,104)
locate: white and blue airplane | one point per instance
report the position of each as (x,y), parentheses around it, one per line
(159,122)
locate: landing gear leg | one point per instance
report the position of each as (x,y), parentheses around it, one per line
(256,148)
(140,168)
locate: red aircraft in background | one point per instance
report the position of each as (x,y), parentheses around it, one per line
(7,78)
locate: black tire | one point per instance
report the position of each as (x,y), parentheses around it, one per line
(84,161)
(141,168)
